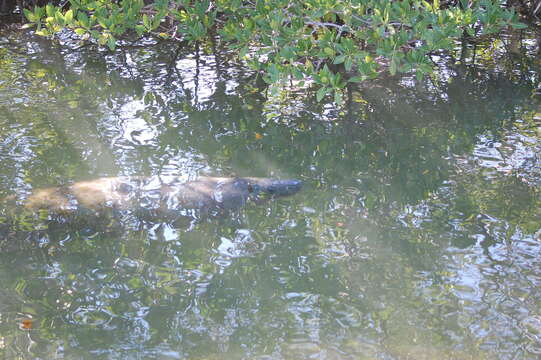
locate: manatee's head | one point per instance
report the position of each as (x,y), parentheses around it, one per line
(232,193)
(273,187)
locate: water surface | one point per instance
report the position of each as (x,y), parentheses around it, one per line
(416,235)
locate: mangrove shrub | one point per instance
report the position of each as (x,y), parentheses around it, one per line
(325,42)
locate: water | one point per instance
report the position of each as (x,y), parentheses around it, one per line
(416,235)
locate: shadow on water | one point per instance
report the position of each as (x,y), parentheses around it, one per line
(415,236)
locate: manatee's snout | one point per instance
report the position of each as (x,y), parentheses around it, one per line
(276,187)
(284,187)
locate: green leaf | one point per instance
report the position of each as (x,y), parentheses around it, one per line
(243,51)
(49,10)
(339,59)
(519,25)
(348,64)
(338,97)
(83,19)
(68,16)
(111,43)
(356,79)
(30,15)
(321,93)
(59,18)
(297,73)
(104,22)
(102,39)
(146,21)
(139,29)
(393,67)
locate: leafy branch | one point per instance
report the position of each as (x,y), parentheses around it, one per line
(321,42)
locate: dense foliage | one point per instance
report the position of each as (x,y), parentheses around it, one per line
(327,42)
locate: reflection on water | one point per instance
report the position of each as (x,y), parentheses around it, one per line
(416,235)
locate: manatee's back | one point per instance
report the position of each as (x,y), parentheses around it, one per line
(91,195)
(206,193)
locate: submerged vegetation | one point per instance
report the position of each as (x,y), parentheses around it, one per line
(323,42)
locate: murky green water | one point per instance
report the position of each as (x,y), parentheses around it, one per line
(416,236)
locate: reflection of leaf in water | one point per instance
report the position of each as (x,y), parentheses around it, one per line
(27,324)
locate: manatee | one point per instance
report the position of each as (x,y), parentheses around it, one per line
(161,198)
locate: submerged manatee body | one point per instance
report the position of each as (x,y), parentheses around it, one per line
(158,197)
